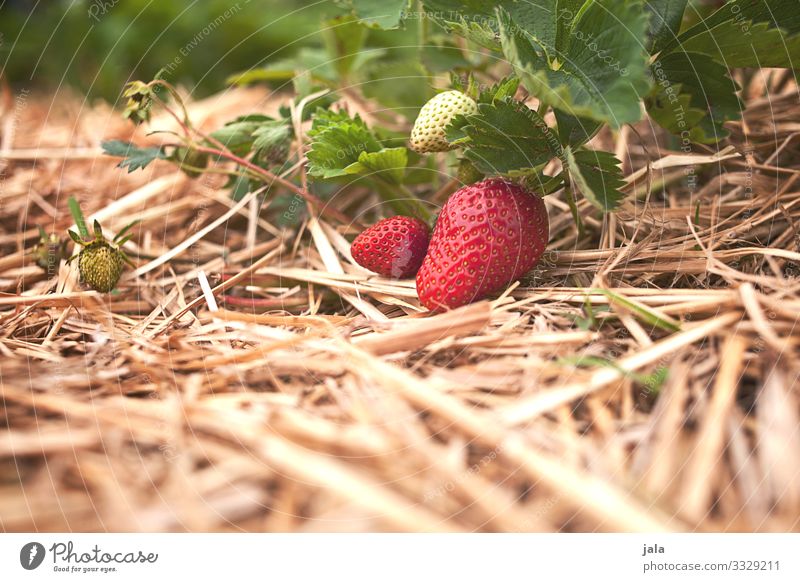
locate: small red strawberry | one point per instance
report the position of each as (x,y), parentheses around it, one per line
(393,247)
(488,234)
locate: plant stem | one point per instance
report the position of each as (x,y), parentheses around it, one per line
(267,176)
(224,152)
(571,202)
(406,204)
(422,27)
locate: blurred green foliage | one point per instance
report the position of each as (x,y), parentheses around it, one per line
(97,46)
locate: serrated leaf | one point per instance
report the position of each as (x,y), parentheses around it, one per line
(597,175)
(477,32)
(737,13)
(508,138)
(237,135)
(472,19)
(746,45)
(575,131)
(477,20)
(454,133)
(674,112)
(665,22)
(565,12)
(694,94)
(746,33)
(337,142)
(134,156)
(266,137)
(388,164)
(601,72)
(383,14)
(325,118)
(504,89)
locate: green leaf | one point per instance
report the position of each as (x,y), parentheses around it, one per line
(642,312)
(77,216)
(601,72)
(387,164)
(240,186)
(693,96)
(271,141)
(455,132)
(597,175)
(504,89)
(268,138)
(325,118)
(237,135)
(121,234)
(575,131)
(673,111)
(266,75)
(477,20)
(738,14)
(76,238)
(508,138)
(746,45)
(134,156)
(565,12)
(383,14)
(472,19)
(337,142)
(654,381)
(665,22)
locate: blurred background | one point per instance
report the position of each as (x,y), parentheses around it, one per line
(96,46)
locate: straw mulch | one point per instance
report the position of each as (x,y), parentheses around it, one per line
(643,378)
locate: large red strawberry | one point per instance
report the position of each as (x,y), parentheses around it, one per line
(392,247)
(488,234)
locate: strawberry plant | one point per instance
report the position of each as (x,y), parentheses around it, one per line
(530,86)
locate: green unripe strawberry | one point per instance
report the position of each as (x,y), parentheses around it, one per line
(428,134)
(101,261)
(49,251)
(100,265)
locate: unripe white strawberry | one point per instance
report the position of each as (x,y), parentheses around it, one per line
(428,134)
